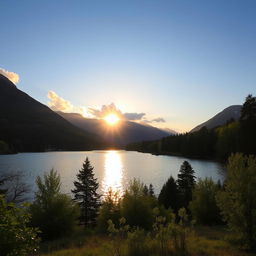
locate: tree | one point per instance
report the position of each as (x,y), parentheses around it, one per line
(85,194)
(248,126)
(53,212)
(203,206)
(186,183)
(13,186)
(169,195)
(17,238)
(109,210)
(136,207)
(248,111)
(238,199)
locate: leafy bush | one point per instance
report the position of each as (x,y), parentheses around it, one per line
(136,207)
(54,213)
(17,238)
(203,206)
(109,210)
(238,200)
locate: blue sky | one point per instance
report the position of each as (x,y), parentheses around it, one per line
(183,61)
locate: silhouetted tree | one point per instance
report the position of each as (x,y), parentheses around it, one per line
(169,195)
(151,190)
(186,183)
(248,111)
(248,126)
(85,194)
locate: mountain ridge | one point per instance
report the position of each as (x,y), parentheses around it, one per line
(124,133)
(231,112)
(28,125)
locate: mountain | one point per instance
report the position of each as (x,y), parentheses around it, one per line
(231,112)
(126,132)
(28,125)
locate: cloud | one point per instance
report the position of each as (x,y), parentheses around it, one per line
(13,77)
(111,108)
(155,120)
(134,116)
(158,120)
(105,109)
(57,103)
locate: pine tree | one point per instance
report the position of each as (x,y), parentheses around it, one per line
(85,194)
(186,183)
(151,190)
(169,195)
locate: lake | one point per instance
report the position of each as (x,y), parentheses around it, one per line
(112,168)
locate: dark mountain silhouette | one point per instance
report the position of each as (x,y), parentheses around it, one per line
(126,132)
(231,112)
(28,125)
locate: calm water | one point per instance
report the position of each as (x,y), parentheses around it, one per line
(113,168)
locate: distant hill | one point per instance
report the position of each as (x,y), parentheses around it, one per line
(231,112)
(126,132)
(28,125)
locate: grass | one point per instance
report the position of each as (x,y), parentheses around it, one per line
(204,241)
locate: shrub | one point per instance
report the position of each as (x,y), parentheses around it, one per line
(17,238)
(203,206)
(54,213)
(136,207)
(238,200)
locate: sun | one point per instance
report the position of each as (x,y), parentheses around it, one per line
(111,119)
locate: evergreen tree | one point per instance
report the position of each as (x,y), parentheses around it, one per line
(151,190)
(169,195)
(186,183)
(86,195)
(248,126)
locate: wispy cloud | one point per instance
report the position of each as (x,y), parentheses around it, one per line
(13,77)
(134,116)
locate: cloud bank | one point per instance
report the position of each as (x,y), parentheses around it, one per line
(13,77)
(57,103)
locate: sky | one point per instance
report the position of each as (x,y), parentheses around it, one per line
(170,63)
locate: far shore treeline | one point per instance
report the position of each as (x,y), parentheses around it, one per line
(217,143)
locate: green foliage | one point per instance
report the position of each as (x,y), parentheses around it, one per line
(136,207)
(238,200)
(186,183)
(169,195)
(85,194)
(203,206)
(54,213)
(109,210)
(228,140)
(137,243)
(118,234)
(17,238)
(4,148)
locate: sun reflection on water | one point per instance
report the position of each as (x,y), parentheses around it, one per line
(113,175)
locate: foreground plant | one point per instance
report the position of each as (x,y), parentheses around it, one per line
(17,238)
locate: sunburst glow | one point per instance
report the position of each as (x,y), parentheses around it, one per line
(112,119)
